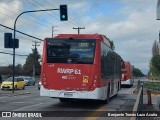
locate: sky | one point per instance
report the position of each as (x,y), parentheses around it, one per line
(131,24)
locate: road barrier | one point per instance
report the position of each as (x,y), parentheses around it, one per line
(138,104)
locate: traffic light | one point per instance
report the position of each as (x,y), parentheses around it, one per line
(8,41)
(63,13)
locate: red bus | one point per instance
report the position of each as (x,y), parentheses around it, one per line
(127,74)
(79,66)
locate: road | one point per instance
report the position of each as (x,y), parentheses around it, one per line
(31,101)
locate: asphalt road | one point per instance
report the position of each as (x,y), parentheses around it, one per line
(31,101)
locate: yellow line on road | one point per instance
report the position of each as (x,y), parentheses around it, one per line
(96,114)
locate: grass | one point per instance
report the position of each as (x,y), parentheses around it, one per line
(152,85)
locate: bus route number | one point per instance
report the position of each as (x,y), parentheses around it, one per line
(68,71)
(77,71)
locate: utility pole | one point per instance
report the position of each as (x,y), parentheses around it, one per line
(53,30)
(35,56)
(79,28)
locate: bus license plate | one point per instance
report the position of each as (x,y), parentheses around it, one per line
(68,94)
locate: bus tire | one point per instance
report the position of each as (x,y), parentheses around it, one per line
(119,86)
(108,93)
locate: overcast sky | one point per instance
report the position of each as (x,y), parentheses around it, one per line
(131,24)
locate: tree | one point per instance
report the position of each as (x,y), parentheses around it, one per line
(155,66)
(33,58)
(137,72)
(155,49)
(6,70)
(18,69)
(155,61)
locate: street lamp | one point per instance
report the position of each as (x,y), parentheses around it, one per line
(13,71)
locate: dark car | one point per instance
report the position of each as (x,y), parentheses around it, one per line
(29,80)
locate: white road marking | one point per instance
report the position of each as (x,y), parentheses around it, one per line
(28,107)
(23,102)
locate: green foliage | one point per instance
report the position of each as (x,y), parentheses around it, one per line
(152,85)
(155,67)
(155,62)
(6,70)
(137,73)
(155,49)
(27,68)
(31,59)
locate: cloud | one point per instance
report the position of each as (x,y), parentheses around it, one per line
(7,13)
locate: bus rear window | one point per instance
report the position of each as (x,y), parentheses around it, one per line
(75,51)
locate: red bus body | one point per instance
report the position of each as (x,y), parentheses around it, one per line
(127,74)
(71,73)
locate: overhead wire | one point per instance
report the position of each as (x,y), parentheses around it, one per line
(70,18)
(34,26)
(56,16)
(11,53)
(21,32)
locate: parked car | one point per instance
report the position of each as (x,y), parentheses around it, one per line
(39,85)
(29,80)
(18,83)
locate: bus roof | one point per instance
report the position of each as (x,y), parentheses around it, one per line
(86,36)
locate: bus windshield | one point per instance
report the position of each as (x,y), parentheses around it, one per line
(75,51)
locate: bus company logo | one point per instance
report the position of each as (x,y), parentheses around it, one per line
(68,71)
(64,77)
(69,60)
(6,114)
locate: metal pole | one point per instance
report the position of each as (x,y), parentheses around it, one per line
(13,70)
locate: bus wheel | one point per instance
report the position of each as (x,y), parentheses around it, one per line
(63,100)
(108,93)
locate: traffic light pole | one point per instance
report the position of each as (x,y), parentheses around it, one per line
(13,70)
